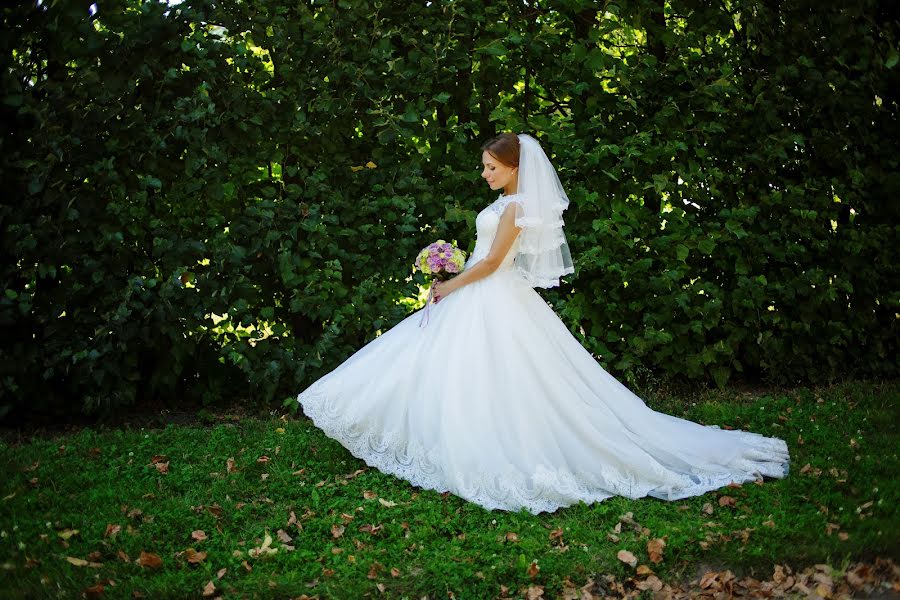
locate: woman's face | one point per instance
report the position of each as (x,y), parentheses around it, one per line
(495,172)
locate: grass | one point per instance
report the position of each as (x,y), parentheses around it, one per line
(60,493)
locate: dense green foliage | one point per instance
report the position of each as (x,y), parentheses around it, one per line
(98,495)
(224,199)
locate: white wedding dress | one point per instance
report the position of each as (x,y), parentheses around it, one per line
(497,402)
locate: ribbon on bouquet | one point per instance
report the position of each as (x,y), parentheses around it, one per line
(424,320)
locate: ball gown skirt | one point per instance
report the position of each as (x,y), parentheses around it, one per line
(497,402)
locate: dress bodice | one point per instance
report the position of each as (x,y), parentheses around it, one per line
(486,224)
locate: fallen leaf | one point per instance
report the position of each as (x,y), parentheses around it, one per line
(708,579)
(80,562)
(387,503)
(373,570)
(655,549)
(198,535)
(230,466)
(628,519)
(112,530)
(149,560)
(533,569)
(627,557)
(209,589)
(283,536)
(726,501)
(651,583)
(194,557)
(372,529)
(264,550)
(337,531)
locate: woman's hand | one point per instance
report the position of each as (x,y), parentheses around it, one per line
(443,289)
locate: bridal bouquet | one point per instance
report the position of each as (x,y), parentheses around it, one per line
(440,260)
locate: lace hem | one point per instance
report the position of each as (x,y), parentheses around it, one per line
(544,282)
(546,489)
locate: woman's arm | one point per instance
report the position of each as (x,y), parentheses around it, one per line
(507,230)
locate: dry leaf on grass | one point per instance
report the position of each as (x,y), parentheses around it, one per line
(627,557)
(655,549)
(149,560)
(80,562)
(194,557)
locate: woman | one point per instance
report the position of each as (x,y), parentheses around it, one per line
(497,402)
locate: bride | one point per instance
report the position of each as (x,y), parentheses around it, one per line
(494,400)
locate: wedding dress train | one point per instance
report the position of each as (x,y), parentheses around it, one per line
(497,402)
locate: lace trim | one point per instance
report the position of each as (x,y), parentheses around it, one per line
(500,204)
(543,282)
(546,489)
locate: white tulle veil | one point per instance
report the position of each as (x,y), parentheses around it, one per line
(543,255)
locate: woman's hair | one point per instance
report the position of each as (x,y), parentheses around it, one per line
(505,148)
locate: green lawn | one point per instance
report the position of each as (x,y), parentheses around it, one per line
(99,496)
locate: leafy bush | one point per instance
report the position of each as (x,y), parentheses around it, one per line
(213,201)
